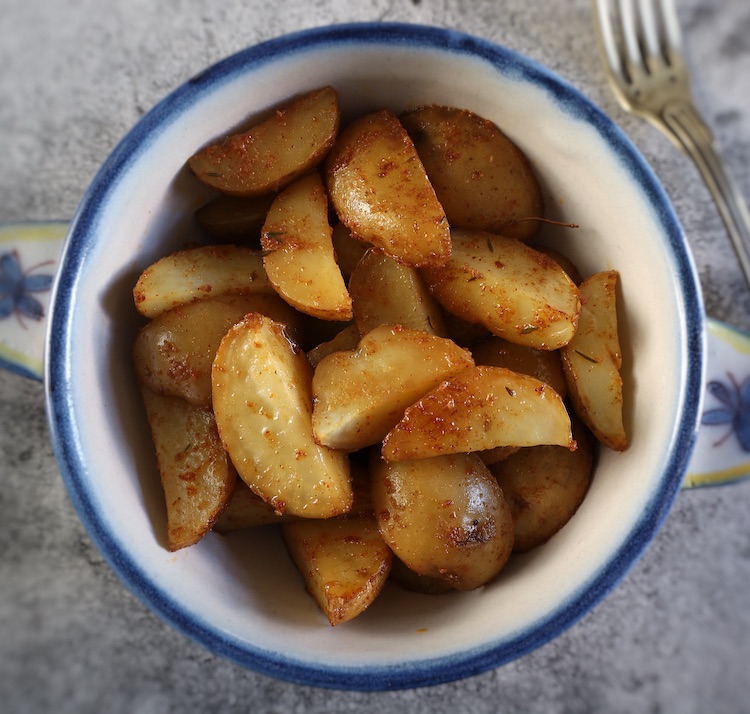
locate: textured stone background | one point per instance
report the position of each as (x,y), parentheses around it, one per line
(74,76)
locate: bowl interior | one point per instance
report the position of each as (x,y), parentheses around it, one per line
(240,595)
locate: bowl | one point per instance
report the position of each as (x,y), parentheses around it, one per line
(240,595)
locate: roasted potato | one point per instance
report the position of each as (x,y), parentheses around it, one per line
(545,365)
(271,154)
(174,352)
(344,561)
(235,219)
(262,400)
(592,362)
(199,273)
(482,179)
(477,409)
(513,290)
(444,517)
(345,340)
(385,292)
(299,258)
(247,510)
(197,477)
(361,394)
(404,576)
(348,250)
(380,191)
(544,486)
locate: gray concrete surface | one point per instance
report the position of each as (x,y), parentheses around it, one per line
(74,76)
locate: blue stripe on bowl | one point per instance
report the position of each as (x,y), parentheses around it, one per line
(62,412)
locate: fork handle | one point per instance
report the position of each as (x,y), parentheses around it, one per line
(687,126)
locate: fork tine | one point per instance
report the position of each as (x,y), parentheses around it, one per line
(628,19)
(672,36)
(608,23)
(650,25)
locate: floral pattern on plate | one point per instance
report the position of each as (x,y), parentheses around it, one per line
(29,254)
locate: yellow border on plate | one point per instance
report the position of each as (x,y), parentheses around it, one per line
(717,478)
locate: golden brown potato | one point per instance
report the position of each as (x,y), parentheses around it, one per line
(463,332)
(359,395)
(196,474)
(544,486)
(499,453)
(344,561)
(346,340)
(477,409)
(516,292)
(545,365)
(349,251)
(385,292)
(174,352)
(197,274)
(262,400)
(248,510)
(482,179)
(299,258)
(274,152)
(380,191)
(404,576)
(592,362)
(564,262)
(235,219)
(444,517)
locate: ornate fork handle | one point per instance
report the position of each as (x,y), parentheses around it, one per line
(683,122)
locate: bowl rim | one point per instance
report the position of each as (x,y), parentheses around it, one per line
(59,370)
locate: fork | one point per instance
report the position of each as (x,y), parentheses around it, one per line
(641,45)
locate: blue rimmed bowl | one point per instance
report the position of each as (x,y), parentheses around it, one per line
(240,595)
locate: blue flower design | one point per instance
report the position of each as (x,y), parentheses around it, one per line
(735,409)
(16,286)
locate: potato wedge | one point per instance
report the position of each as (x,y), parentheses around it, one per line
(444,517)
(380,191)
(248,510)
(197,274)
(344,562)
(544,486)
(299,258)
(263,405)
(545,365)
(235,219)
(360,395)
(403,575)
(592,362)
(515,291)
(385,292)
(564,262)
(349,250)
(197,477)
(274,152)
(482,179)
(347,339)
(480,408)
(174,352)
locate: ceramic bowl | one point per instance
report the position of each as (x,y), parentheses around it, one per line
(240,596)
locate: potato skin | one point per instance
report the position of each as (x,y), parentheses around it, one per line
(444,517)
(482,179)
(544,486)
(545,365)
(274,152)
(196,474)
(516,292)
(380,191)
(173,353)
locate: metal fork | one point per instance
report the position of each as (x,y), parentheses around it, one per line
(640,43)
